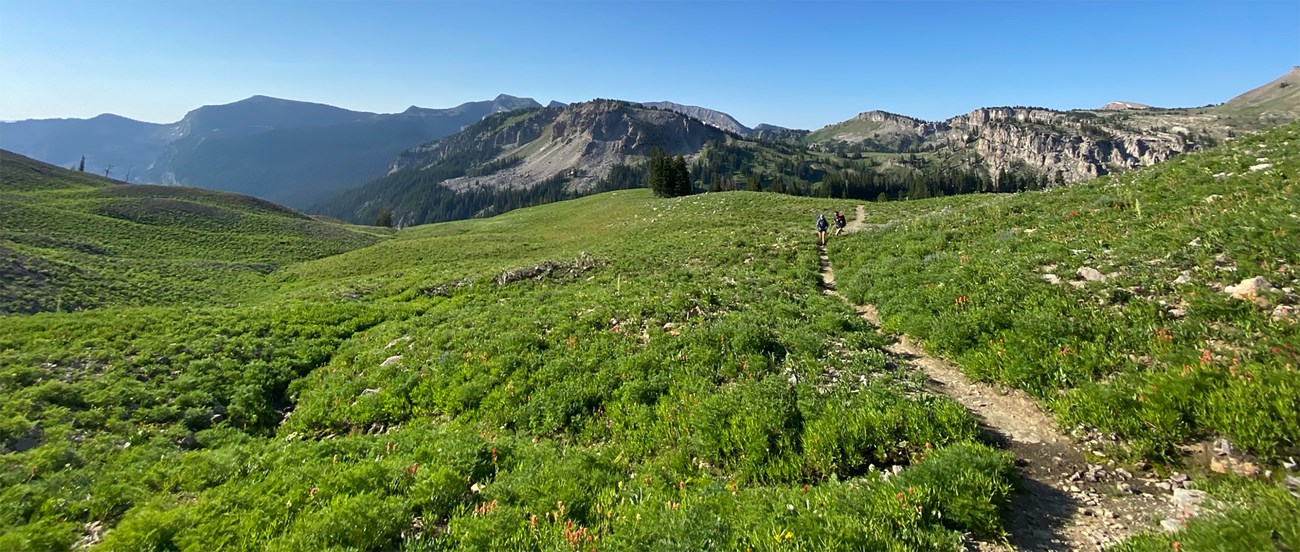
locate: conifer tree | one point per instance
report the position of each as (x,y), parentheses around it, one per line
(681,177)
(657,174)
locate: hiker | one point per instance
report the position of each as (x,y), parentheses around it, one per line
(821,229)
(839,223)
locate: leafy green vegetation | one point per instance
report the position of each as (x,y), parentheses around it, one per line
(1151,348)
(72,241)
(627,372)
(1248,515)
(611,372)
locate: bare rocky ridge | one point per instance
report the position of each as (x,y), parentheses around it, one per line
(580,142)
(713,118)
(1119,106)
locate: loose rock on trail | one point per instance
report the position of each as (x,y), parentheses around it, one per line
(1065,502)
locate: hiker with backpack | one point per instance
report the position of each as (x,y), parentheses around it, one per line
(821,229)
(840,223)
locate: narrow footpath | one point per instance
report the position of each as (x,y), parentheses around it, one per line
(1065,502)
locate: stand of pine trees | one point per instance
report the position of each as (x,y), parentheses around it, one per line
(668,176)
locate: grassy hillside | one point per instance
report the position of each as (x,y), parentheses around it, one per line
(623,372)
(1154,351)
(613,372)
(72,241)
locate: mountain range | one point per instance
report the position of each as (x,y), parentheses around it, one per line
(286,151)
(480,158)
(598,145)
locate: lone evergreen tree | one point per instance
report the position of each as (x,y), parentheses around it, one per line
(82,165)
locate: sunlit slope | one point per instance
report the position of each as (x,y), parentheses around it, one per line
(1109,299)
(71,240)
(617,372)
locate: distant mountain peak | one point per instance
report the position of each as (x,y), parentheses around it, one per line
(711,117)
(1122,105)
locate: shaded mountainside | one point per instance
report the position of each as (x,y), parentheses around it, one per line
(287,151)
(71,240)
(524,157)
(126,143)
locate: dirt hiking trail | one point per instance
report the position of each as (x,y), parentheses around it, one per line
(1064,502)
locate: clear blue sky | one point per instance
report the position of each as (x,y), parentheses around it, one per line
(796,64)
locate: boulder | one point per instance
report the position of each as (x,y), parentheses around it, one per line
(391,360)
(1249,288)
(1091,274)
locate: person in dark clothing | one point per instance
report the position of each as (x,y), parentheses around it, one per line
(822,225)
(839,223)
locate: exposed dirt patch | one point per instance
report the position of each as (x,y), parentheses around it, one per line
(1065,502)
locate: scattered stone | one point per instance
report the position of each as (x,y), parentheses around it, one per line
(1171,525)
(1052,278)
(1183,278)
(189,442)
(1164,486)
(94,533)
(1212,198)
(1249,289)
(1091,274)
(1187,501)
(1124,473)
(1124,488)
(1223,447)
(1178,477)
(1290,464)
(369,391)
(391,360)
(1261,167)
(1283,312)
(1195,243)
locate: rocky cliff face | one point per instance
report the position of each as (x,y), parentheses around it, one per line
(1067,147)
(1063,146)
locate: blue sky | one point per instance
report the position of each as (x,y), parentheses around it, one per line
(795,64)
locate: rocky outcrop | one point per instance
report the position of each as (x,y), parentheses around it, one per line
(1064,146)
(581,143)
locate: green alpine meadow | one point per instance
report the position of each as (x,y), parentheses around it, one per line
(183,369)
